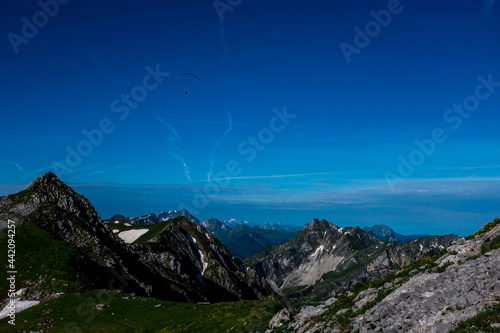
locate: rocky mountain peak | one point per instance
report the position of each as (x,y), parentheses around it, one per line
(49,189)
(316,224)
(49,184)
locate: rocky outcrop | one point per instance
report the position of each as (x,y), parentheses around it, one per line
(433,302)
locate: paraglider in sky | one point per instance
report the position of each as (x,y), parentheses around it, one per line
(188,75)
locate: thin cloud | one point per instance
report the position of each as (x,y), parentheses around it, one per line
(216,144)
(172,147)
(280,176)
(14,164)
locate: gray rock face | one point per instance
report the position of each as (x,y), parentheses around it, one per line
(322,249)
(432,302)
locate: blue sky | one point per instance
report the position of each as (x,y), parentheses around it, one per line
(283,123)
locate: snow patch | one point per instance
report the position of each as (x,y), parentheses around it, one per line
(131,236)
(20,306)
(200,254)
(115,231)
(321,248)
(128,224)
(421,247)
(117,221)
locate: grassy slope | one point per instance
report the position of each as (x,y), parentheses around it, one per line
(154,229)
(139,314)
(38,254)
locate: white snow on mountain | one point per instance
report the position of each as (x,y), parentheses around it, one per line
(131,236)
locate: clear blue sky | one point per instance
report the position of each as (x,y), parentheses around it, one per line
(348,107)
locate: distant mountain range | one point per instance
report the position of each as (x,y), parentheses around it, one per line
(240,237)
(155,218)
(386,234)
(243,240)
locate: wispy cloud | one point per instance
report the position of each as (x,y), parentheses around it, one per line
(173,148)
(281,176)
(13,163)
(216,144)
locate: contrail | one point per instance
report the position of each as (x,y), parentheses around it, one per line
(14,164)
(168,125)
(172,147)
(281,176)
(230,126)
(216,145)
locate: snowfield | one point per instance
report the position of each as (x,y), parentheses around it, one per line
(131,236)
(20,306)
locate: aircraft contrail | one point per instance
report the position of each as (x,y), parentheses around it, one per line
(216,145)
(172,148)
(281,176)
(14,164)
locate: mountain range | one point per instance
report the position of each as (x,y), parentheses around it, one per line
(243,240)
(240,237)
(321,278)
(386,234)
(63,246)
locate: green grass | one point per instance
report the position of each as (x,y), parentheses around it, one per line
(38,255)
(140,314)
(487,227)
